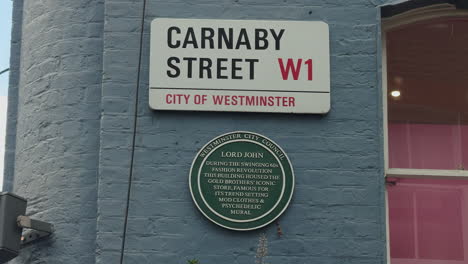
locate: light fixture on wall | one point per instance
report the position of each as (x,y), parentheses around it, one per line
(396,86)
(395,93)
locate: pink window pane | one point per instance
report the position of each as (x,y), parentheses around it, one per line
(426,221)
(428,146)
(464,145)
(402,227)
(427,62)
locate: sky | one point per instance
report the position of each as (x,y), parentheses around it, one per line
(3,105)
(5,30)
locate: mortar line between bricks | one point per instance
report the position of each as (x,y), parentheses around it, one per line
(135,122)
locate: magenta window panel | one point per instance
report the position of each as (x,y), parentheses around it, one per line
(428,122)
(402,229)
(428,146)
(464,146)
(398,146)
(439,223)
(426,220)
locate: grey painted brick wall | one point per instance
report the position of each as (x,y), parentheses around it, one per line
(122,29)
(58,123)
(78,78)
(336,215)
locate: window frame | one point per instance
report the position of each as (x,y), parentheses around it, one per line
(463,203)
(409,17)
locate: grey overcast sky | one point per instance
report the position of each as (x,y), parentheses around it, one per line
(5,30)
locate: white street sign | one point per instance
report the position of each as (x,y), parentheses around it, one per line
(239,65)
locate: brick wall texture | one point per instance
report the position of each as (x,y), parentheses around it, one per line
(76,68)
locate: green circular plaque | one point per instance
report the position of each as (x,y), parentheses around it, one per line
(241,180)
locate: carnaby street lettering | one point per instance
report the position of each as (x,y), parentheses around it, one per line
(222,38)
(218,38)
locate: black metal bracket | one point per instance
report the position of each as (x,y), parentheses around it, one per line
(39,229)
(391,181)
(5,70)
